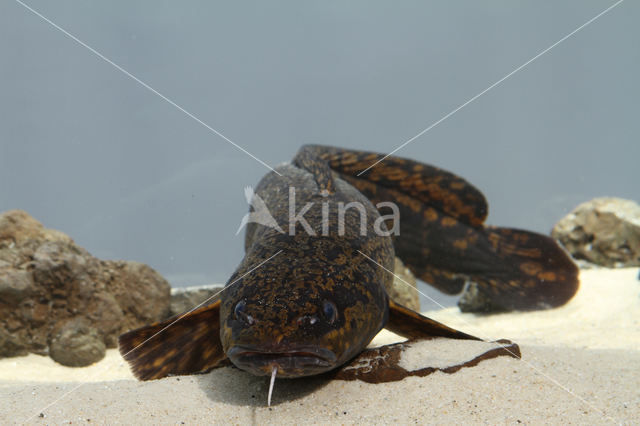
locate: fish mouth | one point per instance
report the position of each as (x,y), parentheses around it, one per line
(292,362)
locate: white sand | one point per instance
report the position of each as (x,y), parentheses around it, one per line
(581,365)
(604,314)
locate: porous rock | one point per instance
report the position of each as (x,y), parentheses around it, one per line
(47,281)
(77,344)
(604,231)
(187,298)
(476,301)
(403,289)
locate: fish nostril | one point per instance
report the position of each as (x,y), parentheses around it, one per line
(307,320)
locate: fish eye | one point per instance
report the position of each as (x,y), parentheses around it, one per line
(240,313)
(330,311)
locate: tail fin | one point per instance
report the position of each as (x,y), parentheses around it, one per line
(442,237)
(530,272)
(185,344)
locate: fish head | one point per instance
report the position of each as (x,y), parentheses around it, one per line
(304,316)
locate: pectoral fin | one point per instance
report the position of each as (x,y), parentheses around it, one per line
(184,344)
(412,325)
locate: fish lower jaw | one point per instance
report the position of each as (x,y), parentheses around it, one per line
(290,363)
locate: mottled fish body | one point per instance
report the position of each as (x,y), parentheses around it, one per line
(309,295)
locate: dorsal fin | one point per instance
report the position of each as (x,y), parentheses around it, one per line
(429,185)
(442,237)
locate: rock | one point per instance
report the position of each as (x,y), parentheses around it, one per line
(15,285)
(400,292)
(77,344)
(47,282)
(19,227)
(604,231)
(187,298)
(474,300)
(11,344)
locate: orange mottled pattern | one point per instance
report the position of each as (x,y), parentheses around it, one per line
(317,299)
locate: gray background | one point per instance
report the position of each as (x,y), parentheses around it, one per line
(89,151)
